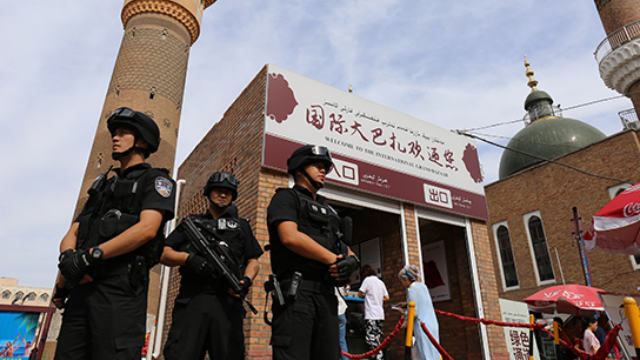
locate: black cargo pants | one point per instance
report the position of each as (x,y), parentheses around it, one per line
(206,322)
(306,328)
(104,319)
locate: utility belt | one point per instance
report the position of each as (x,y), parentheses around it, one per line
(286,290)
(132,265)
(317,287)
(191,285)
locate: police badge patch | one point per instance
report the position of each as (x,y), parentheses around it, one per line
(163,186)
(232,224)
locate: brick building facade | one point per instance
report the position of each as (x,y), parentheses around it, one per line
(549,192)
(235,144)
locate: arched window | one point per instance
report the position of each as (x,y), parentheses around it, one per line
(44,297)
(540,249)
(506,257)
(31,296)
(6,294)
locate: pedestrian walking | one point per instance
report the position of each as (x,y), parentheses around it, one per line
(418,292)
(375,294)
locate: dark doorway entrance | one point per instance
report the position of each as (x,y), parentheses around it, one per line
(445,260)
(377,242)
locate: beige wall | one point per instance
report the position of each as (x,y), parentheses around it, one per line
(28,296)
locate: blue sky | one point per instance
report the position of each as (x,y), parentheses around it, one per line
(454,64)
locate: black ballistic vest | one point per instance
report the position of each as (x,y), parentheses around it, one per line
(320,222)
(114,205)
(229,233)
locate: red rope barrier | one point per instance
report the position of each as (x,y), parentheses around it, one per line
(441,350)
(491,322)
(383,345)
(602,352)
(577,352)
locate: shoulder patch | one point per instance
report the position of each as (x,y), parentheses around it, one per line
(163,186)
(232,224)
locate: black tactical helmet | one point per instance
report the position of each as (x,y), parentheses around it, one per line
(222,179)
(309,154)
(140,123)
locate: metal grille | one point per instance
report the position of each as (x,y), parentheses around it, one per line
(616,39)
(629,119)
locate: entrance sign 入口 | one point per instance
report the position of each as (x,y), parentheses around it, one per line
(376,149)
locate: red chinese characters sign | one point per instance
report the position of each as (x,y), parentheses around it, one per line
(377,149)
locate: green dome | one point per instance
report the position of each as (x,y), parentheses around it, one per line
(535,96)
(549,139)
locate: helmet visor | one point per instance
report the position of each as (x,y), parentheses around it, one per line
(320,150)
(124,112)
(220,177)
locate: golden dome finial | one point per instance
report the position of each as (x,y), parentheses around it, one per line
(529,73)
(350,88)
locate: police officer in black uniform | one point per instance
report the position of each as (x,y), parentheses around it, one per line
(106,254)
(307,253)
(207,314)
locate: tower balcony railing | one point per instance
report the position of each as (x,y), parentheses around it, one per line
(616,39)
(629,119)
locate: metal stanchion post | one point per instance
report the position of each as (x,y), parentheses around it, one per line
(409,339)
(532,319)
(633,316)
(556,336)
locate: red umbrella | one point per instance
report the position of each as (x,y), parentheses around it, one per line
(566,299)
(616,227)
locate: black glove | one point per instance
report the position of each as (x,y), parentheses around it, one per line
(347,266)
(198,265)
(61,293)
(75,264)
(244,287)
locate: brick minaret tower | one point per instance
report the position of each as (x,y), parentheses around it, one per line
(148,76)
(618,55)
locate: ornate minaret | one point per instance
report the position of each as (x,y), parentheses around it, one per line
(149,75)
(618,55)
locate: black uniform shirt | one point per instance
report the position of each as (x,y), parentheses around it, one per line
(138,188)
(244,246)
(284,207)
(158,190)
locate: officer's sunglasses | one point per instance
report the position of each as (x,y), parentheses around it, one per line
(224,176)
(320,150)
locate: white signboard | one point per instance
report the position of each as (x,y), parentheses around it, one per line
(616,314)
(376,149)
(436,274)
(517,338)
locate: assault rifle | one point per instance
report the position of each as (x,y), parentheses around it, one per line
(214,254)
